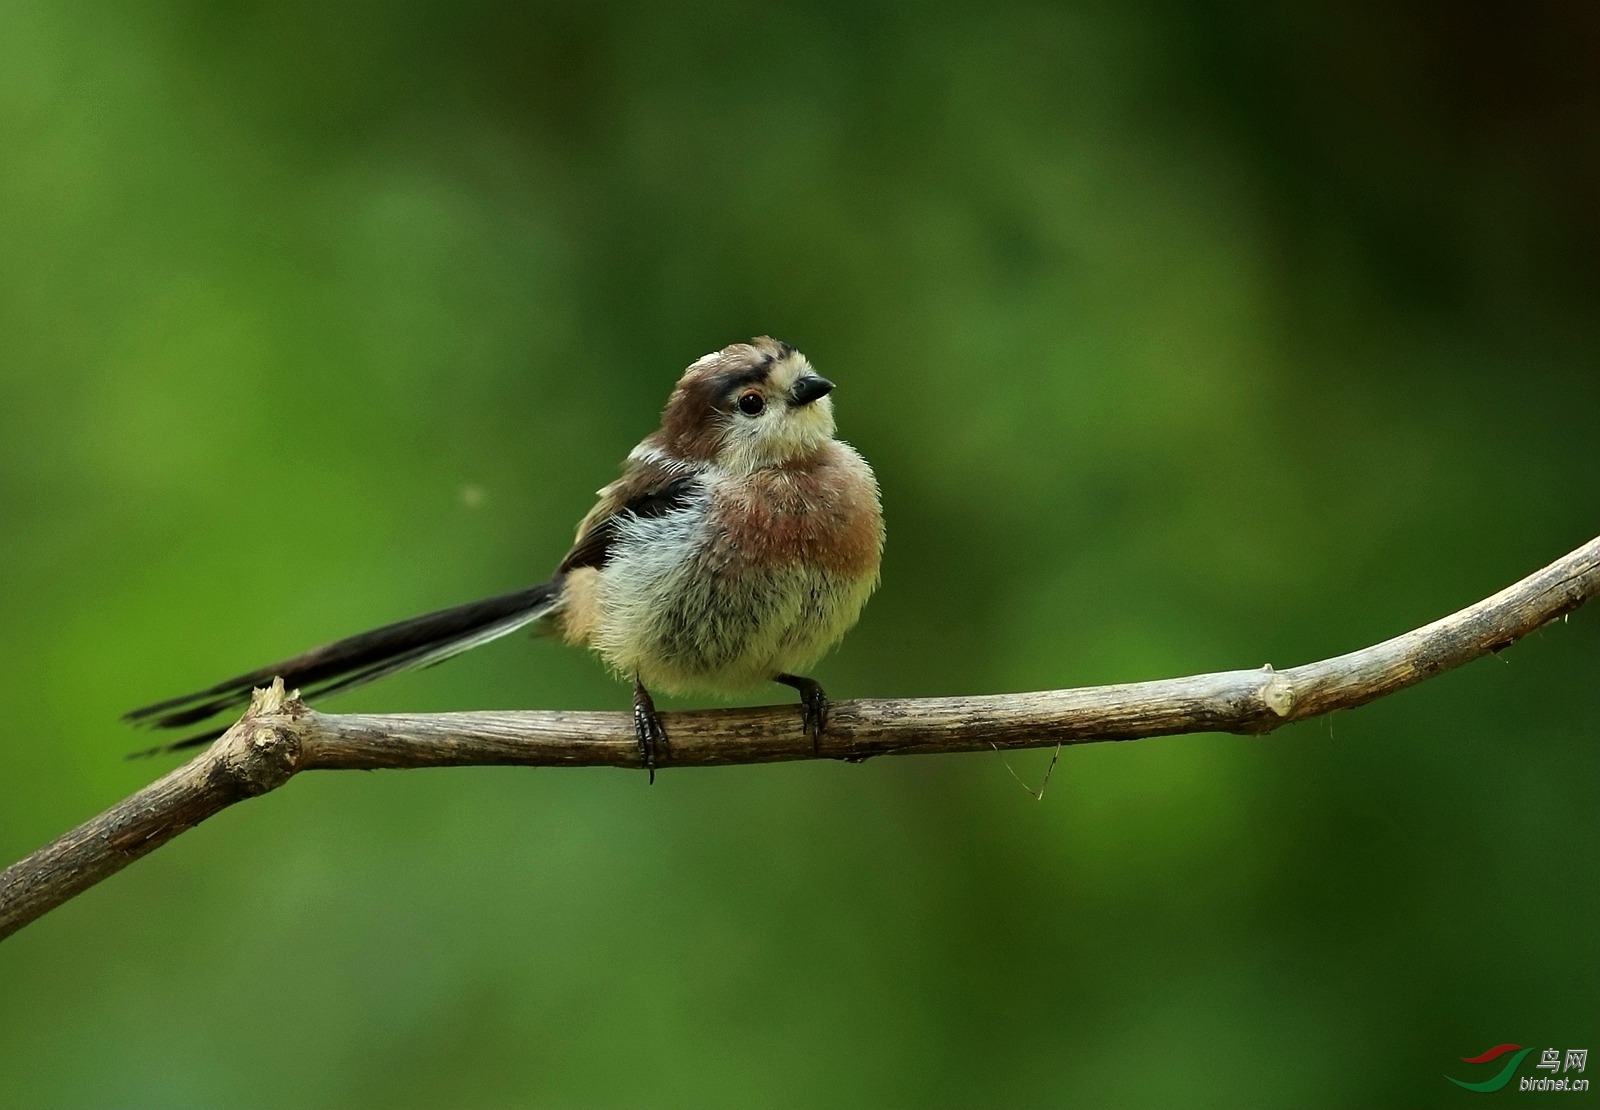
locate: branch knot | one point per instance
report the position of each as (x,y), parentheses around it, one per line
(262,750)
(1277,692)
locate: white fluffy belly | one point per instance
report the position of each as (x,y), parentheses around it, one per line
(687,617)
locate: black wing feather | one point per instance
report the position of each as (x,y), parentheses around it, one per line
(593,548)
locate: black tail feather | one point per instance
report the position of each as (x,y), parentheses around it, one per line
(195,741)
(418,642)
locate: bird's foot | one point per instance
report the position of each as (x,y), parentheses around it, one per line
(647,729)
(814,706)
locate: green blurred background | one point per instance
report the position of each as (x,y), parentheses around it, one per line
(1183,338)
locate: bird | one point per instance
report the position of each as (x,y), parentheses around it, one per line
(739,545)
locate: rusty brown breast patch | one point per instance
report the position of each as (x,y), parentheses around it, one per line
(822,510)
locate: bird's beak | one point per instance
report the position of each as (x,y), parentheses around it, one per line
(809,388)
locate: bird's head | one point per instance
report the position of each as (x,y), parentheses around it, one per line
(747,406)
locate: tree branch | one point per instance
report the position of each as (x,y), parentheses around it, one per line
(279,735)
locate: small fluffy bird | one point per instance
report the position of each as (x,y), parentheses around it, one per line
(738,547)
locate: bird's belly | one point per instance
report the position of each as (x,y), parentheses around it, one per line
(686,617)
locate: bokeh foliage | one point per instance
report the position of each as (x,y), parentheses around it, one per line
(1183,337)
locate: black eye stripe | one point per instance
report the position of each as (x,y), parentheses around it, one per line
(755,375)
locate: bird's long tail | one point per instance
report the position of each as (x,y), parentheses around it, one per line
(342,665)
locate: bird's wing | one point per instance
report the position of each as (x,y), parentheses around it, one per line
(646,490)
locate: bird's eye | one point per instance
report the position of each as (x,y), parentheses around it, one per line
(751,403)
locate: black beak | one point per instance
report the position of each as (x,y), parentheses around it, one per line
(809,388)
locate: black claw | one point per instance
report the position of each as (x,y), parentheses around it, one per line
(814,706)
(647,728)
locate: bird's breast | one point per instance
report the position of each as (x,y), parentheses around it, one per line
(825,516)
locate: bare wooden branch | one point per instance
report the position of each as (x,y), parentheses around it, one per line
(279,735)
